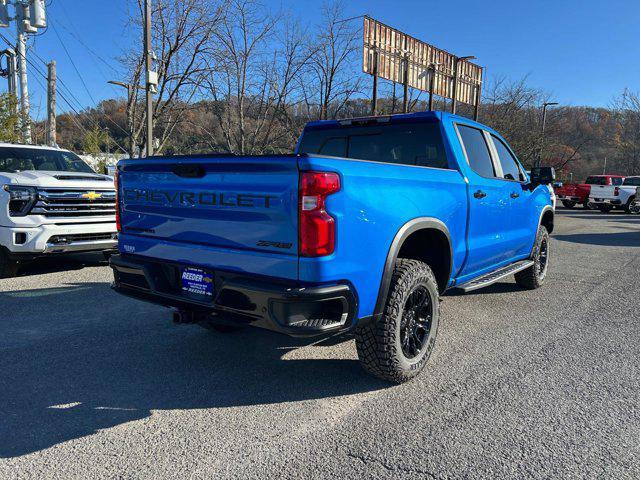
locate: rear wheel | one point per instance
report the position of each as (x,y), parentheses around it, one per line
(630,205)
(534,276)
(568,204)
(8,265)
(587,205)
(398,345)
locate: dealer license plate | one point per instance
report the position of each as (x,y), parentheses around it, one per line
(197,282)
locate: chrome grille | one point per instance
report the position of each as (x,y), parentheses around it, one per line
(74,203)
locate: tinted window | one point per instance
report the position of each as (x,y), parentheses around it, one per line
(634,182)
(20,159)
(596,181)
(510,168)
(404,143)
(477,151)
(617,181)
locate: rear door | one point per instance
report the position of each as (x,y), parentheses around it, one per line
(489,205)
(244,206)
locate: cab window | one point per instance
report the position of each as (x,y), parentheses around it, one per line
(510,168)
(477,151)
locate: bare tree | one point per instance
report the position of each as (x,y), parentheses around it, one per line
(251,78)
(627,135)
(181,34)
(332,78)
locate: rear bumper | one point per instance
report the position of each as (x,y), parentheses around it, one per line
(285,307)
(570,198)
(606,201)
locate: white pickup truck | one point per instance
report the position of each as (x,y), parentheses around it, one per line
(609,197)
(51,202)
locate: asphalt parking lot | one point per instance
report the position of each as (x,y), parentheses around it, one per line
(537,384)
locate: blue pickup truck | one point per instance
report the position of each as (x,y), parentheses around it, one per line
(363,228)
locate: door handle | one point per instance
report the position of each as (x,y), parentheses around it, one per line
(515,195)
(479,194)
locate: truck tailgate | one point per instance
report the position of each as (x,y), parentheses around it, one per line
(235,213)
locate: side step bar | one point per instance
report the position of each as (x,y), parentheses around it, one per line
(492,277)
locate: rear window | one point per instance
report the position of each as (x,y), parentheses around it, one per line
(596,181)
(402,143)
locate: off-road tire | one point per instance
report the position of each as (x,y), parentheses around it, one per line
(568,204)
(378,342)
(534,276)
(8,266)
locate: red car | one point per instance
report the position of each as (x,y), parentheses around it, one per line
(571,194)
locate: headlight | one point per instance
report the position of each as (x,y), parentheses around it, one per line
(21,199)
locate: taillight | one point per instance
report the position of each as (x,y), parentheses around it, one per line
(116,182)
(616,191)
(317,228)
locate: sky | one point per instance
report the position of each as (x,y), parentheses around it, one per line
(582,52)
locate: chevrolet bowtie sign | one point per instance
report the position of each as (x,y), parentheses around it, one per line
(92,195)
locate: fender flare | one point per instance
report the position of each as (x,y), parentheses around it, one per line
(412,226)
(547,208)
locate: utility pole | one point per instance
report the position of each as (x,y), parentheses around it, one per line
(29,17)
(544,121)
(51,104)
(151,76)
(25,121)
(11,74)
(604,167)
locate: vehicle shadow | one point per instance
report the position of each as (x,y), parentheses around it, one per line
(617,239)
(79,358)
(61,263)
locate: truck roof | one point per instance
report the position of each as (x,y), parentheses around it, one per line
(25,145)
(431,115)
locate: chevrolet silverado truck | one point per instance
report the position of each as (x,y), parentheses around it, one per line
(572,194)
(362,229)
(621,196)
(51,202)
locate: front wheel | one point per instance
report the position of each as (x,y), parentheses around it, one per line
(568,204)
(534,276)
(397,346)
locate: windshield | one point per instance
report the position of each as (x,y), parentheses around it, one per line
(20,159)
(404,143)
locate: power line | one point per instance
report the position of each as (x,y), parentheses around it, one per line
(71,94)
(69,91)
(55,30)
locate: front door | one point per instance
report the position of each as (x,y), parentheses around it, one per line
(490,219)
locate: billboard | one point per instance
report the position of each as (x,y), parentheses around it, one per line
(398,52)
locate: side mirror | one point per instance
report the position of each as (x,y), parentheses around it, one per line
(543,175)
